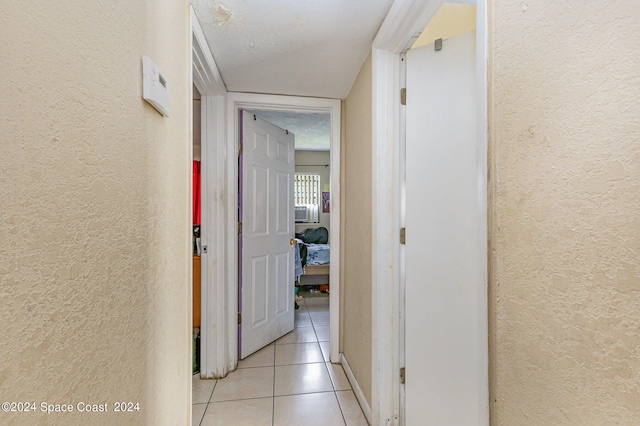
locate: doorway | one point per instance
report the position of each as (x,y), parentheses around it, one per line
(287,104)
(219,290)
(292,379)
(397,34)
(269,167)
(441,262)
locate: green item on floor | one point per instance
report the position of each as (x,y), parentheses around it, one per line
(196,351)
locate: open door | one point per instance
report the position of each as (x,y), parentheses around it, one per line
(266,275)
(444,345)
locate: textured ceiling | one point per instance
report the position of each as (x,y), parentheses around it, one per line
(312,130)
(290,47)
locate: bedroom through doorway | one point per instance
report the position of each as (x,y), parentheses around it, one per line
(309,199)
(305,363)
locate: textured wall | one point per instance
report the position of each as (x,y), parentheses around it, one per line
(565,228)
(315,157)
(94,211)
(356,190)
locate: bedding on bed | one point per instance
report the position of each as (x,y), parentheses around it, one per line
(318,254)
(297,259)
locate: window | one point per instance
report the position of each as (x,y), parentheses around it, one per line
(306,189)
(306,193)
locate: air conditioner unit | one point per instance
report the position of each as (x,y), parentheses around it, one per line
(302,214)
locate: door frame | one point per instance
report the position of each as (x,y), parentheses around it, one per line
(235,103)
(208,81)
(404,22)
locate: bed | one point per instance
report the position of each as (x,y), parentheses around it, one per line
(318,258)
(313,257)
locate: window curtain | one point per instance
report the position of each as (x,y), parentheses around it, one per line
(313,213)
(196,193)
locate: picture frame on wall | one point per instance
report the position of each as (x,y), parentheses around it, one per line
(326,202)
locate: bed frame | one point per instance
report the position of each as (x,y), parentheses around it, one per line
(315,275)
(317,270)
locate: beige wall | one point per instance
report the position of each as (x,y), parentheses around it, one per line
(320,158)
(356,253)
(95,211)
(565,228)
(449,21)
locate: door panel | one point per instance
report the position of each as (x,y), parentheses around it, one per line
(266,260)
(259,201)
(258,288)
(283,266)
(442,270)
(284,200)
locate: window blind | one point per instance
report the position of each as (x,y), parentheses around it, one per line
(307,189)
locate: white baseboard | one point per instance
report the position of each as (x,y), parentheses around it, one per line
(366,409)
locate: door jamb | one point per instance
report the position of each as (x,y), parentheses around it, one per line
(236,102)
(209,83)
(405,20)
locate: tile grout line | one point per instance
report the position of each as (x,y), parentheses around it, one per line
(208,402)
(293,343)
(344,418)
(241,399)
(273,393)
(333,385)
(300,363)
(303,393)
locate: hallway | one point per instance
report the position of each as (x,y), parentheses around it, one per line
(289,382)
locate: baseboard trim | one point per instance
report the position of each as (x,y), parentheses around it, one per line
(366,409)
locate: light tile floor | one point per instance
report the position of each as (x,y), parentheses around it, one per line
(288,383)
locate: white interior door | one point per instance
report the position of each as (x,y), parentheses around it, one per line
(266,211)
(443,278)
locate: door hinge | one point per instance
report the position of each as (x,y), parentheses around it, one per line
(403,96)
(240,150)
(403,235)
(437,45)
(239,228)
(402,375)
(240,322)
